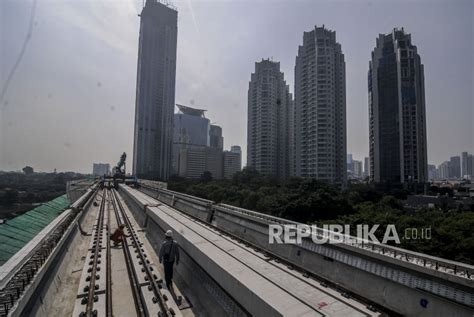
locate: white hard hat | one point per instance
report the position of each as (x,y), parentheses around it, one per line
(169,233)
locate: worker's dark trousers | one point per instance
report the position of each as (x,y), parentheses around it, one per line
(168,272)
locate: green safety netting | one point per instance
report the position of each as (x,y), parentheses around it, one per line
(17,232)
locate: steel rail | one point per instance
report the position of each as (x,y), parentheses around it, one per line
(136,292)
(109,266)
(151,277)
(97,246)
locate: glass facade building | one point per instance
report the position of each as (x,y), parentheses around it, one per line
(397,119)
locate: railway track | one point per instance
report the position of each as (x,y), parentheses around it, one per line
(94,286)
(141,287)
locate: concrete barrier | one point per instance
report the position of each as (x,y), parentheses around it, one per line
(380,279)
(241,286)
(407,282)
(194,206)
(38,294)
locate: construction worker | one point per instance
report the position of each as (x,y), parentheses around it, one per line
(118,236)
(169,252)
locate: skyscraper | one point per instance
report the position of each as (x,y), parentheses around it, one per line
(470,164)
(467,165)
(443,170)
(191,128)
(232,161)
(357,171)
(236,149)
(432,172)
(366,167)
(269,131)
(215,137)
(349,162)
(455,167)
(397,119)
(155,94)
(320,108)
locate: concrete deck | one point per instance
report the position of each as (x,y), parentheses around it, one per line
(400,281)
(122,299)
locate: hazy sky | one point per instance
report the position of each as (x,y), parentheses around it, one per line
(71,100)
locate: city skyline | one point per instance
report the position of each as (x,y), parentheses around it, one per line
(108,91)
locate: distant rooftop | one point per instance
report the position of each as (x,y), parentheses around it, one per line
(191,111)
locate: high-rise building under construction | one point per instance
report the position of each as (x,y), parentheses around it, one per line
(155,94)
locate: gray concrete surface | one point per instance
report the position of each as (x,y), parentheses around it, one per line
(395,287)
(258,285)
(122,299)
(57,294)
(400,280)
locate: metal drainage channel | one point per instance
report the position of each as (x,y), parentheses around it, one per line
(17,285)
(89,291)
(150,278)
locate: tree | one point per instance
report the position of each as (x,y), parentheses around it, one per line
(246,175)
(10,197)
(312,201)
(206,177)
(28,170)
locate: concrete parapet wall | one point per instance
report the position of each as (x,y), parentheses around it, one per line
(18,260)
(402,286)
(370,278)
(44,301)
(40,296)
(194,206)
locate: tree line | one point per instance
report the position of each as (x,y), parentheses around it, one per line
(311,201)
